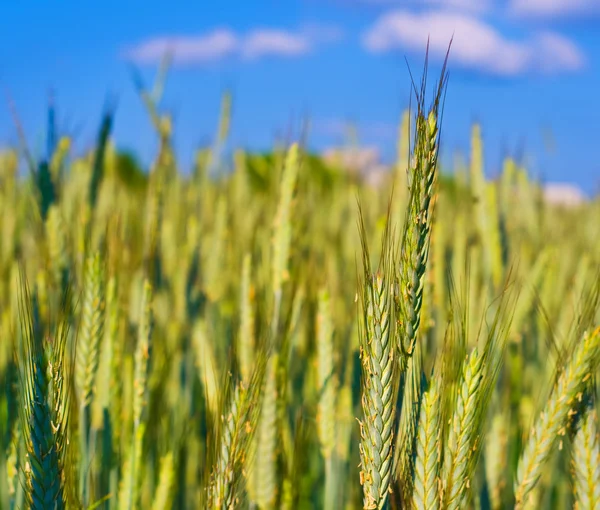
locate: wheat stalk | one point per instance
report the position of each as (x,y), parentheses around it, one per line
(408,425)
(128,494)
(496,457)
(164,491)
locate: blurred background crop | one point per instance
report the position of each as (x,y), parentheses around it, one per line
(287,255)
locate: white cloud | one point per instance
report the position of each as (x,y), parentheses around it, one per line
(468,5)
(215,45)
(265,42)
(476,45)
(223,42)
(553,52)
(565,194)
(553,8)
(357,158)
(463,5)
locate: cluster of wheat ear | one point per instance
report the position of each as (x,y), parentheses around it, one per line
(209,340)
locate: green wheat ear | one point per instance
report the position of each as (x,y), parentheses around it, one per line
(245,341)
(282,228)
(88,354)
(143,353)
(380,373)
(266,448)
(463,431)
(326,376)
(418,220)
(57,245)
(426,489)
(327,387)
(45,383)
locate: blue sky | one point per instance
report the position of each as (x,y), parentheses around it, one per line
(524,69)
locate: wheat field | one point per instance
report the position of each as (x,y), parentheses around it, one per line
(274,331)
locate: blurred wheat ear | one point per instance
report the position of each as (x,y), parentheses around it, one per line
(552,421)
(234,431)
(586,462)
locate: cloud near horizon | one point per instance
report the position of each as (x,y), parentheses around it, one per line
(531,9)
(221,43)
(261,43)
(477,6)
(553,8)
(476,44)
